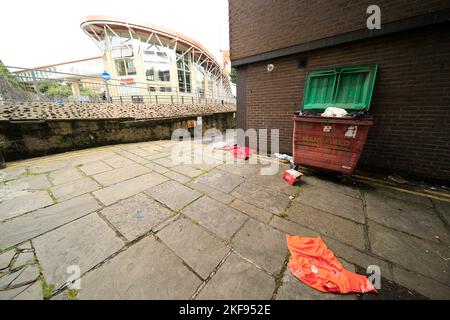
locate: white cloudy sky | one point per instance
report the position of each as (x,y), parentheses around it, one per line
(35,33)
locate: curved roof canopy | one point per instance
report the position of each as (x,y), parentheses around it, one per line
(97,27)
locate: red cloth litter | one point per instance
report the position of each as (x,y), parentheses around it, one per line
(242,152)
(315,265)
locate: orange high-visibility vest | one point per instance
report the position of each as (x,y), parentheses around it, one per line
(315,265)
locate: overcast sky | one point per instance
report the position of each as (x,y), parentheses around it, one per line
(37,33)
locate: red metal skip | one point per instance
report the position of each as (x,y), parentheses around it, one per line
(329,143)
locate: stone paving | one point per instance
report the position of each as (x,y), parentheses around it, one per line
(140,225)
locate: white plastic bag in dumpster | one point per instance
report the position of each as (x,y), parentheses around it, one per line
(334,112)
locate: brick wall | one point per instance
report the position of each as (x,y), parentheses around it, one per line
(258,26)
(411,99)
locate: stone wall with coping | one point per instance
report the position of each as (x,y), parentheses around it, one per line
(26,139)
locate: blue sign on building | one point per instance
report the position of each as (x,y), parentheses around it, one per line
(106,76)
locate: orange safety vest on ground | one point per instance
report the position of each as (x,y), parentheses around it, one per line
(315,265)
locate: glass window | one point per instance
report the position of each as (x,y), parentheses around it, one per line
(157,71)
(125,67)
(184,74)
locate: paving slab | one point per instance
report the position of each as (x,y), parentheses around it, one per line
(221,180)
(292,228)
(117,161)
(173,194)
(142,152)
(73,189)
(5,280)
(27,275)
(215,216)
(243,170)
(132,157)
(121,174)
(128,188)
(11,192)
(166,162)
(39,182)
(203,165)
(251,210)
(399,195)
(38,222)
(443,208)
(268,199)
(309,180)
(11,293)
(22,259)
(237,279)
(23,204)
(5,258)
(92,155)
(12,173)
(135,216)
(362,259)
(181,178)
(273,182)
(414,219)
(426,286)
(211,192)
(146,270)
(90,169)
(197,247)
(33,292)
(65,175)
(332,202)
(158,155)
(46,166)
(421,256)
(327,224)
(187,170)
(293,289)
(83,243)
(156,167)
(262,244)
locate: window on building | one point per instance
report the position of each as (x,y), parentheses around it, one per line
(156,67)
(125,66)
(184,71)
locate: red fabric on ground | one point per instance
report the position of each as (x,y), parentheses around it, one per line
(315,265)
(242,152)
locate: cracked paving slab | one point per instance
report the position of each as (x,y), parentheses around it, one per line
(238,279)
(135,216)
(215,216)
(24,204)
(173,194)
(83,243)
(152,272)
(198,248)
(40,221)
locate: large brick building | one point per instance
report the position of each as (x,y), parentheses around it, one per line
(411,98)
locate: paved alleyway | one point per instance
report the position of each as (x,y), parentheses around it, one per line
(142,226)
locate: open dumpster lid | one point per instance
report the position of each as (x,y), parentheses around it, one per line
(348,87)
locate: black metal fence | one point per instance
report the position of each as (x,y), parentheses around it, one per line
(25,85)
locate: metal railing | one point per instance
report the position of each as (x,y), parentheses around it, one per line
(30,85)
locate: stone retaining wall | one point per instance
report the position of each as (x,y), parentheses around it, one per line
(25,139)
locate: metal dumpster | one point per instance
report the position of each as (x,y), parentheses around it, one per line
(332,143)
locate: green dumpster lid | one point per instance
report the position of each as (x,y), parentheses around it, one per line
(348,87)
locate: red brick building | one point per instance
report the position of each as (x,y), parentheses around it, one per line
(411,97)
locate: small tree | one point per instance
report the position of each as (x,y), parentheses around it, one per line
(233,75)
(11,79)
(54,90)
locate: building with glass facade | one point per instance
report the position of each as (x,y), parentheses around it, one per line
(164,60)
(147,63)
